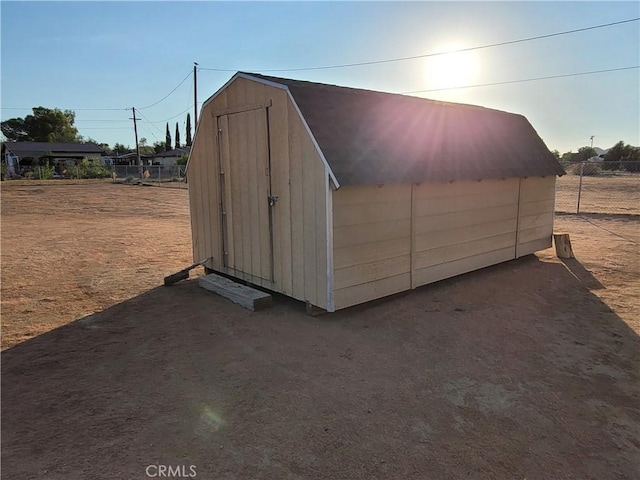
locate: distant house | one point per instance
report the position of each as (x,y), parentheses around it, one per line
(131,159)
(171,157)
(21,155)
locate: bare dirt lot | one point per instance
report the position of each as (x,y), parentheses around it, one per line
(528,369)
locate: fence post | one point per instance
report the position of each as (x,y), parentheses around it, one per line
(580,186)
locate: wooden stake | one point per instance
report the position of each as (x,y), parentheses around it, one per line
(563,245)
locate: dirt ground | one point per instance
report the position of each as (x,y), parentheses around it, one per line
(527,369)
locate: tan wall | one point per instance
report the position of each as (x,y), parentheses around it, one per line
(392,238)
(371,242)
(463,226)
(298,179)
(535,223)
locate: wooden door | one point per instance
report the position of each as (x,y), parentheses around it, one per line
(245,185)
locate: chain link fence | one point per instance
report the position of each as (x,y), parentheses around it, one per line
(604,188)
(160,174)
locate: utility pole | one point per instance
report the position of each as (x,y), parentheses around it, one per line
(592,140)
(195,97)
(135,130)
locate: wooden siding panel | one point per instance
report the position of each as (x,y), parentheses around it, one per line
(226,221)
(195,202)
(200,193)
(211,209)
(363,195)
(358,254)
(535,223)
(462,188)
(447,270)
(455,236)
(350,235)
(321,232)
(460,225)
(297,218)
(372,212)
(248,250)
(529,234)
(475,199)
(468,218)
(534,246)
(346,297)
(308,217)
(535,220)
(372,241)
(370,272)
(451,253)
(533,208)
(309,227)
(281,212)
(252,193)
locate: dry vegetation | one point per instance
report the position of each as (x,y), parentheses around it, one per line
(523,370)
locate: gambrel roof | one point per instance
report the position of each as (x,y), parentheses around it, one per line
(370,137)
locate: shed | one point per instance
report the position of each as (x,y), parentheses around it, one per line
(336,196)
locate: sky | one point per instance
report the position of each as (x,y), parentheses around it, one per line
(102,58)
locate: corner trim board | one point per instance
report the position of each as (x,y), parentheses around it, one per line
(329,216)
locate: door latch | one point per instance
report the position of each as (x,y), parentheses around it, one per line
(272,200)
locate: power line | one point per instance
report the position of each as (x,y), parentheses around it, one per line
(103,120)
(167,95)
(74,109)
(175,116)
(151,123)
(414,57)
(526,80)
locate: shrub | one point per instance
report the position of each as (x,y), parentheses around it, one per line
(633,166)
(589,169)
(41,172)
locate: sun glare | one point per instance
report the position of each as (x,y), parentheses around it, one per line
(454,69)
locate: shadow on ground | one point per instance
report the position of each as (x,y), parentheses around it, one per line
(515,371)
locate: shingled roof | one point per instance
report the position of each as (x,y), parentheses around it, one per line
(370,137)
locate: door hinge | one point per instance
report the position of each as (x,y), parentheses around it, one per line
(272,200)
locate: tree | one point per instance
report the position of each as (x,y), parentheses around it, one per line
(188,130)
(144,148)
(622,153)
(566,157)
(159,147)
(585,153)
(177,136)
(105,148)
(615,153)
(168,139)
(44,125)
(120,149)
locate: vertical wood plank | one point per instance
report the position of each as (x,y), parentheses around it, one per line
(280,188)
(320,175)
(297,211)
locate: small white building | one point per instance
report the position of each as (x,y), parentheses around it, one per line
(170,158)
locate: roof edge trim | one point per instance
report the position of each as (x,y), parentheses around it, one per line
(302,119)
(315,143)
